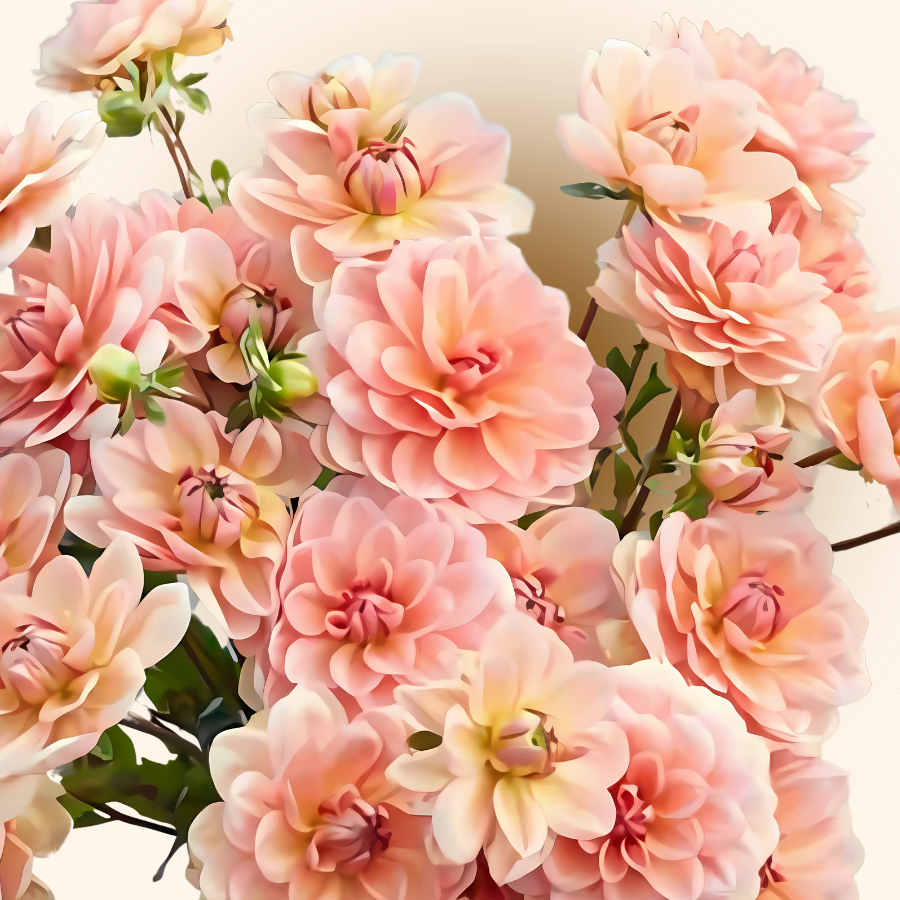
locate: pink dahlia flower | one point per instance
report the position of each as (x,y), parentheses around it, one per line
(33,824)
(609,399)
(693,810)
(525,753)
(662,126)
(741,463)
(75,648)
(797,118)
(38,172)
(720,300)
(100,37)
(560,570)
(196,499)
(33,488)
(375,587)
(347,176)
(307,812)
(817,854)
(857,404)
(747,606)
(436,363)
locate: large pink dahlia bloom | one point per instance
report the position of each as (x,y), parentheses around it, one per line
(437,364)
(348,172)
(307,812)
(38,172)
(693,809)
(196,499)
(375,587)
(747,606)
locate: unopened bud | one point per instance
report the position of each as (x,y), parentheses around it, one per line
(115,371)
(294,382)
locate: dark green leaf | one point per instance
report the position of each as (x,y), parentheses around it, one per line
(527,521)
(589,190)
(616,364)
(842,462)
(625,480)
(193,78)
(83,815)
(652,387)
(424,740)
(86,554)
(154,412)
(122,112)
(599,460)
(239,413)
(655,522)
(614,516)
(324,478)
(104,748)
(221,178)
(629,442)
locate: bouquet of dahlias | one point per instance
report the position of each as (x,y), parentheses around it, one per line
(304,475)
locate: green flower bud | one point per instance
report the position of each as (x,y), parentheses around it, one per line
(115,371)
(292,381)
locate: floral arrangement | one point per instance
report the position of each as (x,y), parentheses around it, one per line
(302,474)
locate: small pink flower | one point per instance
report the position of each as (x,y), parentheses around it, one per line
(609,399)
(817,854)
(375,587)
(525,752)
(720,300)
(347,176)
(308,812)
(747,606)
(75,648)
(693,809)
(857,404)
(196,499)
(33,488)
(38,172)
(100,37)
(664,126)
(34,824)
(560,570)
(740,463)
(438,364)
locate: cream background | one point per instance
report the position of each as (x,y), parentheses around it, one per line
(520,60)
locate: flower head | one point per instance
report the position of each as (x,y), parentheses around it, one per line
(437,366)
(307,811)
(375,587)
(524,752)
(38,172)
(747,605)
(100,37)
(74,651)
(348,172)
(609,399)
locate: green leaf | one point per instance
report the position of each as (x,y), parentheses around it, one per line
(221,178)
(154,412)
(193,78)
(41,239)
(589,190)
(842,462)
(614,516)
(83,815)
(196,99)
(616,364)
(123,112)
(239,413)
(424,740)
(86,554)
(324,478)
(104,748)
(599,460)
(625,480)
(655,522)
(180,116)
(653,387)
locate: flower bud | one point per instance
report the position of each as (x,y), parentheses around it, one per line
(384,179)
(115,371)
(294,382)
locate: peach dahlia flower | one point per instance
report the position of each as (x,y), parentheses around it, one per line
(857,404)
(75,648)
(661,125)
(718,300)
(33,824)
(609,399)
(437,365)
(560,570)
(747,606)
(817,854)
(375,587)
(101,36)
(38,172)
(525,753)
(693,810)
(348,172)
(194,498)
(307,812)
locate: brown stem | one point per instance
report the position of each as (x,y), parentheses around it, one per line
(630,522)
(166,735)
(174,154)
(850,543)
(815,458)
(178,142)
(123,817)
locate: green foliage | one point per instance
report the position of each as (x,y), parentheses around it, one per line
(221,178)
(616,364)
(324,478)
(652,388)
(124,113)
(590,190)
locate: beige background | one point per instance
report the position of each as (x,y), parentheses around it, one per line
(520,60)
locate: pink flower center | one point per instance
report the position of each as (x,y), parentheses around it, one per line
(524,746)
(32,664)
(31,329)
(353,831)
(384,179)
(627,839)
(531,599)
(365,615)
(673,132)
(768,876)
(753,606)
(215,501)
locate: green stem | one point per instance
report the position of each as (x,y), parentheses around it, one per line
(123,817)
(173,741)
